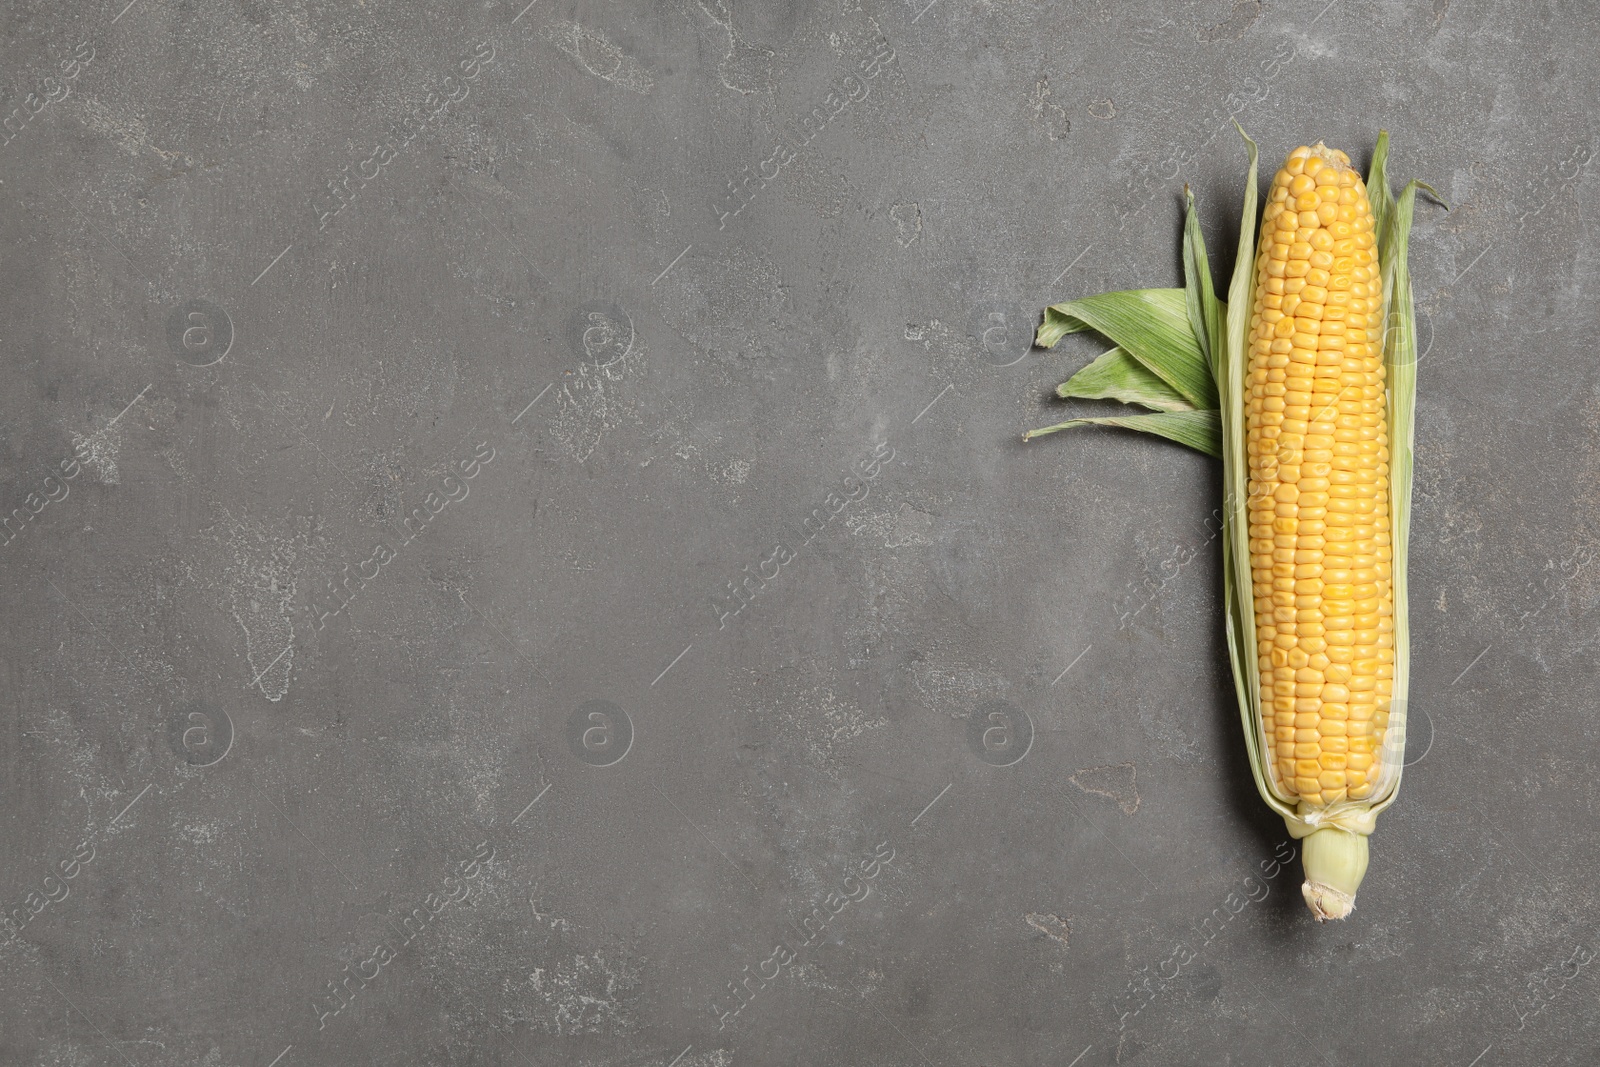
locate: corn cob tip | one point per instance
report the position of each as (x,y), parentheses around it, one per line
(1328,155)
(1335,861)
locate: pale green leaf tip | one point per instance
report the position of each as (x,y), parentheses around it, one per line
(1420,184)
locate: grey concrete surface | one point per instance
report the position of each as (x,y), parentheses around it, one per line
(528,556)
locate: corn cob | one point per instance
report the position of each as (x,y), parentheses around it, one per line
(1316,434)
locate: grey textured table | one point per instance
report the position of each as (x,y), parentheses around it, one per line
(520,550)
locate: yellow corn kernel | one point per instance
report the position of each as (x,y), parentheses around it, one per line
(1319,505)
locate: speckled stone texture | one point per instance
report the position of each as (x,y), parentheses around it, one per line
(518,549)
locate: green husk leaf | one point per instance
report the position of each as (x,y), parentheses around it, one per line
(1152,325)
(1200,297)
(1115,375)
(1238,596)
(1400,368)
(1200,430)
(1379,195)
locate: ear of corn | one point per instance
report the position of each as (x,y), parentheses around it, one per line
(1318,504)
(1335,818)
(1313,360)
